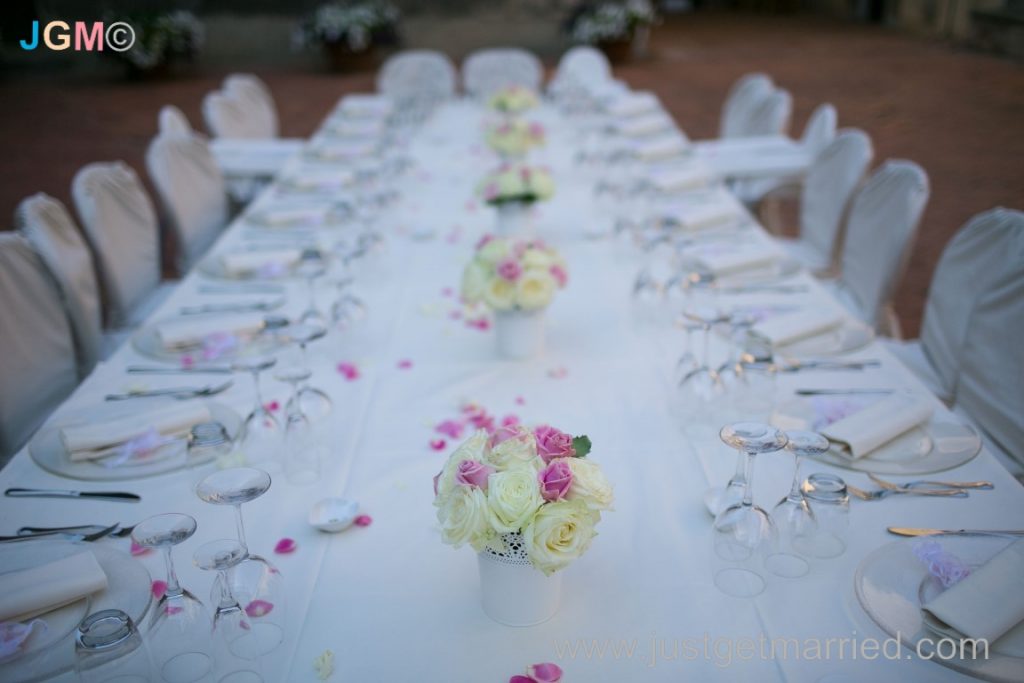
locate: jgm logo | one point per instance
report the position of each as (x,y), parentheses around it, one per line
(57,35)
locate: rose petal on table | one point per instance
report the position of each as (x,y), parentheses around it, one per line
(138,550)
(404,364)
(545,672)
(158,588)
(285,546)
(272,406)
(448,291)
(438,444)
(259,608)
(348,370)
(519,678)
(450,428)
(520,401)
(363,520)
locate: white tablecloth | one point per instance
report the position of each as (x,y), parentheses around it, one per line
(393,602)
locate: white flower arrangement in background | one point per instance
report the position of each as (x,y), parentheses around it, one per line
(517,183)
(513,99)
(354,24)
(515,137)
(509,275)
(608,21)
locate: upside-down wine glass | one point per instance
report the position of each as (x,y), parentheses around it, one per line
(793,516)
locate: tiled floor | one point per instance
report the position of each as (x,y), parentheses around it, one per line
(958,114)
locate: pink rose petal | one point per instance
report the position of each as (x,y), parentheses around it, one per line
(138,549)
(438,444)
(510,421)
(545,673)
(450,428)
(448,291)
(158,588)
(363,520)
(259,608)
(187,361)
(520,401)
(404,364)
(285,546)
(349,371)
(519,678)
(272,406)
(170,609)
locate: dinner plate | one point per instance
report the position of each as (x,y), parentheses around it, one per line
(892,584)
(770,273)
(212,266)
(849,336)
(146,341)
(303,216)
(939,445)
(51,652)
(48,451)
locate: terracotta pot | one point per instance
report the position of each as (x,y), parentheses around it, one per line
(342,59)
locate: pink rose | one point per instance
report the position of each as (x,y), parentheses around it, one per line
(561,277)
(553,443)
(545,673)
(486,239)
(473,473)
(503,433)
(555,480)
(509,269)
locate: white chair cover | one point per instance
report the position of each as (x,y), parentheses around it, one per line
(770,116)
(485,71)
(37,354)
(820,129)
(258,99)
(121,226)
(880,231)
(190,189)
(52,232)
(582,65)
(744,96)
(417,74)
(229,116)
(830,183)
(172,121)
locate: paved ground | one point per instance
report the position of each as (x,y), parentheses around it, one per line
(957,113)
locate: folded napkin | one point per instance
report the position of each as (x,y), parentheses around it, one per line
(185,332)
(247,262)
(661,148)
(718,209)
(366,106)
(102,439)
(342,150)
(30,592)
(634,104)
(367,128)
(312,181)
(879,423)
(723,262)
(987,604)
(681,178)
(787,328)
(642,126)
(288,217)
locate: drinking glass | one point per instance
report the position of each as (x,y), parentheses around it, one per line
(311,267)
(262,432)
(700,388)
(793,516)
(177,628)
(312,402)
(235,637)
(743,532)
(830,503)
(108,647)
(209,446)
(255,581)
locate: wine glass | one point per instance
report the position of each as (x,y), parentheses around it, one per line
(793,516)
(830,502)
(702,386)
(256,582)
(235,636)
(311,267)
(108,647)
(262,431)
(177,628)
(312,402)
(743,532)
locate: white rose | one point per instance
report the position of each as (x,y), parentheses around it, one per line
(472,448)
(535,289)
(492,252)
(513,496)
(500,294)
(517,452)
(542,184)
(474,279)
(464,517)
(559,533)
(589,485)
(537,258)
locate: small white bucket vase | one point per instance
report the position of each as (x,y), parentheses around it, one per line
(513,591)
(513,219)
(520,334)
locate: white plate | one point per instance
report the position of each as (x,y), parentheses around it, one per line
(52,652)
(212,266)
(770,273)
(891,584)
(48,451)
(147,342)
(939,445)
(848,337)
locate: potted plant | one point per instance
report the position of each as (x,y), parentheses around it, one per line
(612,26)
(349,31)
(511,190)
(161,41)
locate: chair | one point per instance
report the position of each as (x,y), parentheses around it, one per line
(581,65)
(744,95)
(172,121)
(831,181)
(417,74)
(259,102)
(37,351)
(486,71)
(121,227)
(229,116)
(820,129)
(191,193)
(880,232)
(49,228)
(770,116)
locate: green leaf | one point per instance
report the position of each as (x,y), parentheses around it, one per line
(581,444)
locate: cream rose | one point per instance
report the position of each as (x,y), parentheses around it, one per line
(464,517)
(537,258)
(474,279)
(535,289)
(516,452)
(513,497)
(559,533)
(589,485)
(500,294)
(492,252)
(472,449)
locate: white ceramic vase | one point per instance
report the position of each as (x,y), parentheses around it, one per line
(512,219)
(520,334)
(513,592)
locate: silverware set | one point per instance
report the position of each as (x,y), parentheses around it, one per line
(919,487)
(234,307)
(913,532)
(179,393)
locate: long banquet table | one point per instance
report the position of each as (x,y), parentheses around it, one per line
(395,604)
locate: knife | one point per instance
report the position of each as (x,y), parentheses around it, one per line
(116,496)
(910,531)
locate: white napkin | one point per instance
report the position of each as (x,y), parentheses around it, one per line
(634,104)
(342,150)
(366,105)
(293,216)
(730,262)
(186,332)
(31,592)
(368,128)
(245,262)
(879,423)
(681,178)
(99,439)
(335,179)
(790,327)
(986,604)
(642,126)
(719,208)
(661,148)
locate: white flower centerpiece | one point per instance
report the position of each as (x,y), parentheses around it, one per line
(512,139)
(517,280)
(511,189)
(513,100)
(528,501)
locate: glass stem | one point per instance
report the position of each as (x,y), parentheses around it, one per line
(227,600)
(312,294)
(796,495)
(739,477)
(240,527)
(704,351)
(259,394)
(748,473)
(173,589)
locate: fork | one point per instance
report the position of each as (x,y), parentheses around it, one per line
(926,484)
(174,392)
(102,533)
(120,532)
(885,493)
